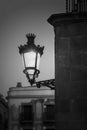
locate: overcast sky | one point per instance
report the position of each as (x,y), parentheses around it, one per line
(18,17)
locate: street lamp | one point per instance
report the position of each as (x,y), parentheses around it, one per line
(31,58)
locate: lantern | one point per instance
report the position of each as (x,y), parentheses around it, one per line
(31,58)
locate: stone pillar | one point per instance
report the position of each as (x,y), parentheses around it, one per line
(70,70)
(38,114)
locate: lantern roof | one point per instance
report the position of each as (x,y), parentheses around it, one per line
(30,45)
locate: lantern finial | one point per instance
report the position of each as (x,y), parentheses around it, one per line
(30,38)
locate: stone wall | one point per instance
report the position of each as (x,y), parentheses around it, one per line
(70,70)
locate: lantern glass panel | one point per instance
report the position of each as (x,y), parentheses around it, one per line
(38,61)
(30,58)
(31,71)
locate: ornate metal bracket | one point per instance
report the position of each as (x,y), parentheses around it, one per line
(48,83)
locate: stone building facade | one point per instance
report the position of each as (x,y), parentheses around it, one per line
(31,108)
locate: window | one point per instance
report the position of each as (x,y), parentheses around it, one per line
(49,112)
(49,116)
(26,115)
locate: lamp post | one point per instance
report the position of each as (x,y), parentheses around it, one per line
(31,58)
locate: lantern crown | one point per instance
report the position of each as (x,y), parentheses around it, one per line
(30,45)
